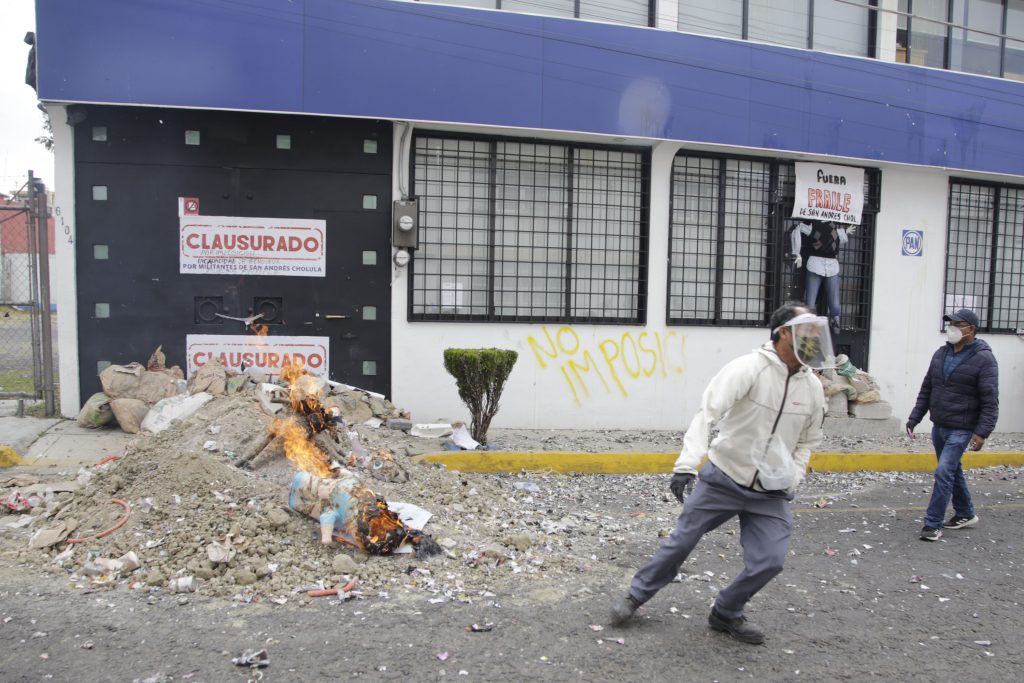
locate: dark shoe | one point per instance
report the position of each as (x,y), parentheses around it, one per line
(623,609)
(834,325)
(930,534)
(737,628)
(958,522)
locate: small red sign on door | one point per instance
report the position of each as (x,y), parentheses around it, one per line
(188,206)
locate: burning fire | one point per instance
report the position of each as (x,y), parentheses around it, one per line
(300,449)
(259,329)
(299,446)
(363,518)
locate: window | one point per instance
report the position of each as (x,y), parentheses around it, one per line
(719,240)
(841,27)
(976,51)
(838,26)
(779,21)
(635,12)
(985,254)
(728,237)
(523,230)
(974,36)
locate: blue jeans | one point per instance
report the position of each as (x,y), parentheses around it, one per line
(950,445)
(814,283)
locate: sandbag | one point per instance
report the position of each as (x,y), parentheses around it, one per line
(129,413)
(133,381)
(96,412)
(211,378)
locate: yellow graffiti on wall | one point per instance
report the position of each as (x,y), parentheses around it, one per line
(614,360)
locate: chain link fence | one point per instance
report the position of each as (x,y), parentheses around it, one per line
(27,326)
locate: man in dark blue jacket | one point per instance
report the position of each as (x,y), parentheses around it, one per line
(961,391)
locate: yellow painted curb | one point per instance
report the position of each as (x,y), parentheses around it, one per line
(653,463)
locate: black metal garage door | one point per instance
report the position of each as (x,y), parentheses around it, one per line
(132,165)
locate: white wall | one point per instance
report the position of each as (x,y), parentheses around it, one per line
(567,376)
(65,235)
(652,377)
(908,297)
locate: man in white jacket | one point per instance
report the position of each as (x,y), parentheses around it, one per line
(768,407)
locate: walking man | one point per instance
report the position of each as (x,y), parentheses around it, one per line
(961,391)
(768,408)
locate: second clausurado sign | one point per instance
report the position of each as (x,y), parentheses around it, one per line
(826,192)
(263,355)
(234,245)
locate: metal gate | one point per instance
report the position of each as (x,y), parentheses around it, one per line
(26,326)
(131,167)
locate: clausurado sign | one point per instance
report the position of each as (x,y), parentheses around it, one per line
(825,192)
(264,355)
(231,245)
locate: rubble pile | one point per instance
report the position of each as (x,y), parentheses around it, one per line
(199,521)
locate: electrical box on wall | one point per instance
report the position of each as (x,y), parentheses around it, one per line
(405,220)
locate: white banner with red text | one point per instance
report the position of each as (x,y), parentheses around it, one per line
(826,192)
(258,354)
(235,245)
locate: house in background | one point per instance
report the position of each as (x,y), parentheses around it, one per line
(606,187)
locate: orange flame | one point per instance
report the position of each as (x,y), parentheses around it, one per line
(259,329)
(300,449)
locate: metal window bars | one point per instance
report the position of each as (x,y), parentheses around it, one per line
(985,254)
(728,233)
(529,231)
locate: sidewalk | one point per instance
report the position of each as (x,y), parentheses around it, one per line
(45,443)
(60,443)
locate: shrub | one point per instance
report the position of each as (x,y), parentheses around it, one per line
(480,376)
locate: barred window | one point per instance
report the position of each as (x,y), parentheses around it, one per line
(529,231)
(985,254)
(728,240)
(718,240)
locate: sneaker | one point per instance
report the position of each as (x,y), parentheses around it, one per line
(738,628)
(930,534)
(834,325)
(623,609)
(958,522)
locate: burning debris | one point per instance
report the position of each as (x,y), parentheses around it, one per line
(350,513)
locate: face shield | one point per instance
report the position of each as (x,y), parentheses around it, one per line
(812,341)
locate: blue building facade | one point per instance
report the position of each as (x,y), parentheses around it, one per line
(611,198)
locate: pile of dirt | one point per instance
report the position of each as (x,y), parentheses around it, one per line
(186,493)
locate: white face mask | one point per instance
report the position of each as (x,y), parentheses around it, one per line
(954,335)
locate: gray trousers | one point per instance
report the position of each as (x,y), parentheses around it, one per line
(765,526)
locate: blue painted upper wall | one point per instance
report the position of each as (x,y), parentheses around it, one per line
(403,60)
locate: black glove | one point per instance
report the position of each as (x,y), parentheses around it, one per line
(681,485)
(910,428)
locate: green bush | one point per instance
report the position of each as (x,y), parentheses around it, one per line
(480,375)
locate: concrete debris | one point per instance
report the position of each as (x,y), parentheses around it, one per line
(432,431)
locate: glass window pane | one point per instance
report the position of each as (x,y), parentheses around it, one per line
(532,194)
(928,38)
(634,12)
(1013,66)
(607,233)
(972,51)
(1008,295)
(783,22)
(969,248)
(840,27)
(712,17)
(551,8)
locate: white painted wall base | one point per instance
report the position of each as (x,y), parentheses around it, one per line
(67,279)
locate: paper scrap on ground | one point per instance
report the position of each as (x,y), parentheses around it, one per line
(462,438)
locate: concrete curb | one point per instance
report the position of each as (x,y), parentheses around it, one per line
(661,463)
